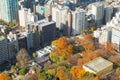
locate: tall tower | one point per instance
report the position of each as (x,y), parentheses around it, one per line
(98,13)
(9,10)
(79,21)
(108,14)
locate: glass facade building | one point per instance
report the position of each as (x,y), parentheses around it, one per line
(8,10)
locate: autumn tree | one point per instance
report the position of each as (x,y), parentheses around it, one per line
(117,71)
(65,51)
(61,74)
(23,57)
(87,43)
(109,47)
(77,72)
(4,76)
(54,42)
(31,77)
(96,78)
(61,42)
(115,59)
(62,47)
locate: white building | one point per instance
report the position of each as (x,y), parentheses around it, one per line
(63,18)
(79,22)
(44,52)
(26,16)
(48,8)
(98,13)
(110,32)
(105,35)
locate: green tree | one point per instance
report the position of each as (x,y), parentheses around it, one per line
(23,71)
(34,55)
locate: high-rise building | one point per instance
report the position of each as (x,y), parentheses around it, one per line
(12,45)
(79,22)
(41,33)
(40,11)
(48,8)
(3,50)
(26,16)
(98,13)
(115,39)
(108,14)
(9,10)
(56,15)
(63,18)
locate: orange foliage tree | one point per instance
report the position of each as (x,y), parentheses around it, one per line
(109,47)
(61,42)
(77,72)
(87,43)
(61,74)
(63,48)
(4,76)
(96,78)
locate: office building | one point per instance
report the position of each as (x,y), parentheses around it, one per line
(115,39)
(98,13)
(99,66)
(63,17)
(48,8)
(33,40)
(46,30)
(12,44)
(9,10)
(22,40)
(108,12)
(56,15)
(105,35)
(79,22)
(40,11)
(26,16)
(3,50)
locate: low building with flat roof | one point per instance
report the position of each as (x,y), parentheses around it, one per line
(98,66)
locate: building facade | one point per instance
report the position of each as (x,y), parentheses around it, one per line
(108,14)
(98,13)
(63,17)
(41,33)
(115,39)
(9,10)
(79,22)
(3,50)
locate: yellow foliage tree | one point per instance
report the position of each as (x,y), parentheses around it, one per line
(54,42)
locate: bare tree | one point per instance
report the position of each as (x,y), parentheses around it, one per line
(23,57)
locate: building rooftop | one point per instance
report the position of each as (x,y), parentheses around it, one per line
(98,4)
(42,23)
(98,64)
